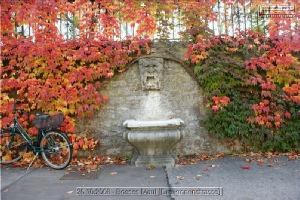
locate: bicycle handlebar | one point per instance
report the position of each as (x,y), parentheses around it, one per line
(20,109)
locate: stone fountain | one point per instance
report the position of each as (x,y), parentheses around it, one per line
(154,135)
(153,141)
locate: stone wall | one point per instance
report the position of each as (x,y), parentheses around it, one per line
(179,96)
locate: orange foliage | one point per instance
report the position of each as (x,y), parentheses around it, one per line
(53,74)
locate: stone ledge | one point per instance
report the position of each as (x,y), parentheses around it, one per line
(170,123)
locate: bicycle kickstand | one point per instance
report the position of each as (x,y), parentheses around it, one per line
(33,160)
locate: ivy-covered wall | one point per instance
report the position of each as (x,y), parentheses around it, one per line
(180,96)
(252,91)
(227,100)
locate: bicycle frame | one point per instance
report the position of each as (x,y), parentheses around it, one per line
(17,127)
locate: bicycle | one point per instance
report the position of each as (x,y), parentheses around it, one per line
(52,143)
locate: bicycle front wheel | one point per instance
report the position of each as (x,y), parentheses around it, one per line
(56,149)
(12,147)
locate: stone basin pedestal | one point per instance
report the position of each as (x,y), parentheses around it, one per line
(153,141)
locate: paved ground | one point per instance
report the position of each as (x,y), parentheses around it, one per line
(225,176)
(274,180)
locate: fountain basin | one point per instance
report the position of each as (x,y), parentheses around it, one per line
(153,141)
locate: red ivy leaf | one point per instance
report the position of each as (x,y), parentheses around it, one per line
(245,167)
(287,115)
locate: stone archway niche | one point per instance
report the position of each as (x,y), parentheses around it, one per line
(153,88)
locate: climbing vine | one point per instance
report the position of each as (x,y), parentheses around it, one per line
(61,70)
(250,85)
(251,81)
(50,74)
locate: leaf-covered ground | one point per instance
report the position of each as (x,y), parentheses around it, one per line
(267,158)
(90,164)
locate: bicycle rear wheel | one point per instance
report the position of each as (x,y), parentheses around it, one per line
(56,149)
(12,147)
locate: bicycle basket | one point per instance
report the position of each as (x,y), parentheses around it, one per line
(44,121)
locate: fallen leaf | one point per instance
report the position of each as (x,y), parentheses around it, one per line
(16,164)
(198,176)
(150,167)
(268,155)
(5,190)
(180,177)
(245,167)
(81,169)
(254,154)
(88,163)
(70,192)
(93,166)
(206,169)
(270,165)
(123,162)
(260,160)
(193,162)
(181,162)
(220,155)
(113,173)
(204,157)
(152,176)
(292,157)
